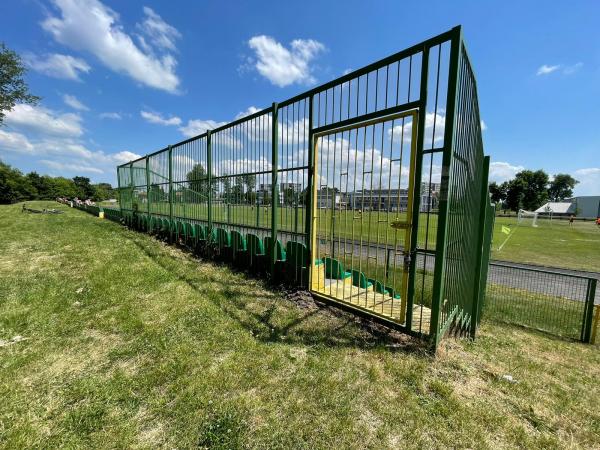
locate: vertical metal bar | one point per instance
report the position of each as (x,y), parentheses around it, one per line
(148,188)
(171,196)
(209,182)
(119,189)
(483,207)
(586,331)
(449,137)
(274,186)
(308,194)
(416,194)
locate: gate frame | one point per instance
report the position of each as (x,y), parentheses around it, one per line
(356,124)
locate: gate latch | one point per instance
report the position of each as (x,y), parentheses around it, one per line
(407,259)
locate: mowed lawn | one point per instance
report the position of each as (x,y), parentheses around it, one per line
(552,243)
(112,339)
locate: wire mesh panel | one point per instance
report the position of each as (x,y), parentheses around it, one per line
(457,262)
(190,180)
(550,301)
(158,175)
(242,176)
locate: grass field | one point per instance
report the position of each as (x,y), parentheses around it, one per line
(126,342)
(553,243)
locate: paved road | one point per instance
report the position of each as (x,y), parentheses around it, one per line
(554,282)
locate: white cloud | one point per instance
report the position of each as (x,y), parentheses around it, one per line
(89,25)
(251,110)
(43,120)
(483,125)
(503,171)
(57,65)
(568,70)
(124,156)
(282,66)
(74,103)
(158,119)
(79,168)
(433,123)
(111,115)
(196,127)
(160,33)
(15,142)
(589,181)
(546,69)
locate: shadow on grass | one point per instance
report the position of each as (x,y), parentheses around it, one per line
(268,317)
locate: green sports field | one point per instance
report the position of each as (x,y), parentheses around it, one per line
(552,243)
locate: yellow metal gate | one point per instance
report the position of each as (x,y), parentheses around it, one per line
(362,214)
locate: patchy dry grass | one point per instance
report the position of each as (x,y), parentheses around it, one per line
(130,343)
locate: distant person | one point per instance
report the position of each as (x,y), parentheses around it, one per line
(571,219)
(598,222)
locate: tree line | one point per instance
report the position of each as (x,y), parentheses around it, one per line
(529,190)
(17,187)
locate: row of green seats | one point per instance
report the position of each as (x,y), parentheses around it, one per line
(334,269)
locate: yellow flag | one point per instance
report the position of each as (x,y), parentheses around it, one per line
(505,230)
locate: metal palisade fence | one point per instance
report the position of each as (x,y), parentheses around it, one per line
(370,191)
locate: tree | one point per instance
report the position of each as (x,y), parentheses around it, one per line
(103,191)
(528,190)
(13,88)
(14,187)
(290,197)
(514,194)
(84,187)
(198,181)
(498,192)
(561,187)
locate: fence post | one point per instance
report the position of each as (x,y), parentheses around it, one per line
(588,315)
(171,196)
(274,187)
(148,189)
(480,260)
(446,179)
(209,180)
(119,189)
(308,213)
(595,325)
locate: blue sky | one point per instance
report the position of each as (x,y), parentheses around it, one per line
(120,79)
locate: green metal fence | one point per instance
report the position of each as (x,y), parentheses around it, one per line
(400,149)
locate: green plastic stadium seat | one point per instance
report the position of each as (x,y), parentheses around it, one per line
(335,269)
(360,280)
(238,246)
(256,251)
(297,261)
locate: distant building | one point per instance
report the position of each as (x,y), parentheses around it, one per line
(264,192)
(586,206)
(556,209)
(390,199)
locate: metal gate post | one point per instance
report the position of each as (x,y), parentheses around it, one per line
(209,180)
(274,187)
(586,329)
(171,196)
(414,220)
(449,137)
(308,204)
(148,189)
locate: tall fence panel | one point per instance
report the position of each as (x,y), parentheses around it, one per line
(254,188)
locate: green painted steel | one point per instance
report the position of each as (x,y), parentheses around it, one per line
(258,176)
